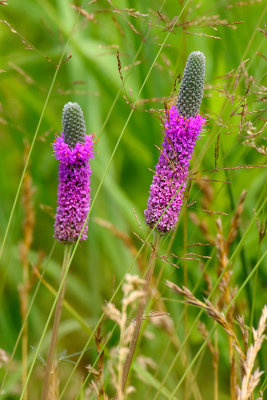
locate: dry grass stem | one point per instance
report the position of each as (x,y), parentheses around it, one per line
(53,393)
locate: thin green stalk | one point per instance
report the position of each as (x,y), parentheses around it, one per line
(200,279)
(141,248)
(68,307)
(24,295)
(192,384)
(215,325)
(210,296)
(251,287)
(140,312)
(151,232)
(252,314)
(216,367)
(26,319)
(32,146)
(96,360)
(101,184)
(51,363)
(262,361)
(212,137)
(243,257)
(186,352)
(193,361)
(252,321)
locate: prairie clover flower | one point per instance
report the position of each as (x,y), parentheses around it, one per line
(73,149)
(182,127)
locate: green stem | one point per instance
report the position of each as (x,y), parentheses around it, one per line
(140,312)
(24,307)
(243,257)
(214,327)
(251,287)
(186,353)
(53,344)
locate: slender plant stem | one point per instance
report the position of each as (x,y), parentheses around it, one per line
(24,299)
(235,252)
(254,294)
(24,248)
(53,344)
(214,327)
(7,369)
(230,339)
(216,366)
(84,325)
(243,257)
(140,311)
(186,352)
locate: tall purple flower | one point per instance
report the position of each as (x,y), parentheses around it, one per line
(182,127)
(73,149)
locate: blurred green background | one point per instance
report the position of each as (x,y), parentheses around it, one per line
(119,68)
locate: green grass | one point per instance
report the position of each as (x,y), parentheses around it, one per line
(50,55)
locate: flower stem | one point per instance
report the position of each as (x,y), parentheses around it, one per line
(51,362)
(24,299)
(140,311)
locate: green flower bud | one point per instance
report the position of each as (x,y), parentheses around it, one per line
(191,90)
(73,124)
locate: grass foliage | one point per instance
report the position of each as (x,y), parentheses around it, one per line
(122,62)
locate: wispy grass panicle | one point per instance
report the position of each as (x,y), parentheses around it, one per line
(73,149)
(182,127)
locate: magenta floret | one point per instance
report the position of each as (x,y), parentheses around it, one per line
(73,189)
(169,182)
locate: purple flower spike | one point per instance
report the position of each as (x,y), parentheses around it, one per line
(74,181)
(182,128)
(169,182)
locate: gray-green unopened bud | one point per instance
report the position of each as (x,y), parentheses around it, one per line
(73,124)
(191,89)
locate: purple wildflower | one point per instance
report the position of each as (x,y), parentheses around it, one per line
(182,127)
(169,182)
(74,180)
